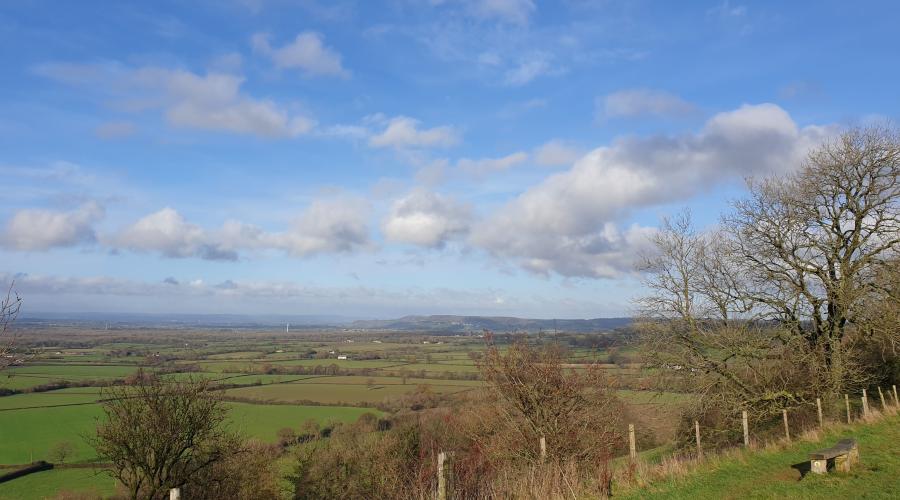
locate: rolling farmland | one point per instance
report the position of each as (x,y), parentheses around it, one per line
(270,382)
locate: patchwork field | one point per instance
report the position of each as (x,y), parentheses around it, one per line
(269,383)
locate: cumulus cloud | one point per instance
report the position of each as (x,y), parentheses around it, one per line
(36,229)
(402,132)
(307,53)
(484,166)
(567,223)
(333,225)
(642,102)
(556,153)
(213,101)
(327,226)
(169,234)
(426,219)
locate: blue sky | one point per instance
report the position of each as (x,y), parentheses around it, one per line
(375,159)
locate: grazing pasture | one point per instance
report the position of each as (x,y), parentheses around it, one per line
(270,382)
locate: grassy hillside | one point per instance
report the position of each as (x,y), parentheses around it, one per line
(768,473)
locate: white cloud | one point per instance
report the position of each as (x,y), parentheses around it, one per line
(307,53)
(642,102)
(338,225)
(432,173)
(484,166)
(567,223)
(214,102)
(210,102)
(426,219)
(327,225)
(35,229)
(169,234)
(402,132)
(556,153)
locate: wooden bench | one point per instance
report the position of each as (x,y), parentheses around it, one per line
(845,453)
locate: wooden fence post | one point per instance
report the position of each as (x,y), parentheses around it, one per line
(746,429)
(865,402)
(896,400)
(443,457)
(632,444)
(819,408)
(881,395)
(543,448)
(787,430)
(847,402)
(175,494)
(697,433)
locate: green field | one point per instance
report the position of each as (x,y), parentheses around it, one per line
(261,404)
(48,484)
(263,421)
(28,434)
(66,371)
(76,395)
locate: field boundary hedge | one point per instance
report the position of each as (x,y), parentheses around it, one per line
(35,467)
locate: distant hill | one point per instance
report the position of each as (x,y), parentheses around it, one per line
(467,324)
(424,324)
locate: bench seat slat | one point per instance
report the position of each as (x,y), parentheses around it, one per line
(843,447)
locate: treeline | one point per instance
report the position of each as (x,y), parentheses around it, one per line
(334,369)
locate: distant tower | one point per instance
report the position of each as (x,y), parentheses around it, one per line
(287,328)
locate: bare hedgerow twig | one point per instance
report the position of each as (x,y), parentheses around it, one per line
(9,311)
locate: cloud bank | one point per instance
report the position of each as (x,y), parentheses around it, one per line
(574,223)
(567,224)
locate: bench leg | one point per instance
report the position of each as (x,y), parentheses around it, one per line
(818,466)
(842,463)
(854,456)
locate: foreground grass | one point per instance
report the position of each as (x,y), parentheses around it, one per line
(49,484)
(768,473)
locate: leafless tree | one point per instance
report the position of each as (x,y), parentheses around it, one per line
(813,241)
(162,434)
(697,328)
(575,411)
(9,311)
(61,451)
(782,290)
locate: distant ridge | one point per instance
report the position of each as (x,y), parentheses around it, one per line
(463,324)
(446,323)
